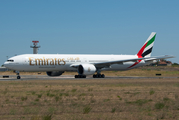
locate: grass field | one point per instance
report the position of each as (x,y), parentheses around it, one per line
(92,99)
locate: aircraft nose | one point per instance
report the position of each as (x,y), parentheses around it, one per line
(6,64)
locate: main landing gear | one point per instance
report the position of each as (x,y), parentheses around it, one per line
(80,76)
(98,76)
(18,76)
(94,76)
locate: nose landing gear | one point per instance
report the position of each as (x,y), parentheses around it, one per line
(18,77)
(17,73)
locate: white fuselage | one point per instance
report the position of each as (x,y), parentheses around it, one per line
(63,62)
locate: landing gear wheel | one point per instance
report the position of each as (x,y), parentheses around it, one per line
(80,76)
(18,74)
(76,76)
(102,76)
(18,77)
(94,76)
(98,76)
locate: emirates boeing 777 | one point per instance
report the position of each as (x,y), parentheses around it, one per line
(57,64)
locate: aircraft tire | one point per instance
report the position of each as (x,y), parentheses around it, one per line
(94,76)
(18,77)
(98,76)
(80,76)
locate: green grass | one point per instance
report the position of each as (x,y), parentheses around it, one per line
(93,101)
(57,98)
(90,89)
(106,100)
(73,90)
(12,112)
(119,97)
(139,102)
(159,105)
(113,110)
(37,100)
(151,92)
(132,93)
(87,109)
(24,98)
(39,95)
(166,99)
(51,110)
(33,92)
(50,94)
(82,94)
(47,117)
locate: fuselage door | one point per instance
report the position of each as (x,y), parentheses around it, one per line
(25,61)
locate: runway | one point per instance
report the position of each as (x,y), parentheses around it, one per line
(71,77)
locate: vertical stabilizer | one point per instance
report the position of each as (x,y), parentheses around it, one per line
(146,49)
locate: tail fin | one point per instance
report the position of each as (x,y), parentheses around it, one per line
(146,49)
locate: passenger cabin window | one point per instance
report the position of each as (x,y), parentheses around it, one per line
(10,60)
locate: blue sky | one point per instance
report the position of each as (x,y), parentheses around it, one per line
(88,27)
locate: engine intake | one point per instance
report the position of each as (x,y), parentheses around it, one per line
(54,73)
(86,69)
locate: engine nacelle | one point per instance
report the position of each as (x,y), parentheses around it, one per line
(54,73)
(86,69)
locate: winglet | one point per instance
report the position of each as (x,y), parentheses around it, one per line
(146,49)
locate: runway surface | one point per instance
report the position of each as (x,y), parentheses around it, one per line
(71,77)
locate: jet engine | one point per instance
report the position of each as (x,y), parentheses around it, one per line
(54,73)
(86,69)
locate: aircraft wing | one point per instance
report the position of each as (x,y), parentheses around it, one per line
(104,64)
(159,57)
(107,64)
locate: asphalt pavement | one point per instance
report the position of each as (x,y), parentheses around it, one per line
(71,77)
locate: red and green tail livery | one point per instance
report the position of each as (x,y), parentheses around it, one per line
(146,49)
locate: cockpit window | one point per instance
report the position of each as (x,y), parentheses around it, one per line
(10,60)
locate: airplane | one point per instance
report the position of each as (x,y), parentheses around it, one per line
(83,64)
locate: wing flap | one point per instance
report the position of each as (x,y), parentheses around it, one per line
(159,57)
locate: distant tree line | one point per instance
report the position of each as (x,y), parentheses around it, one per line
(175,64)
